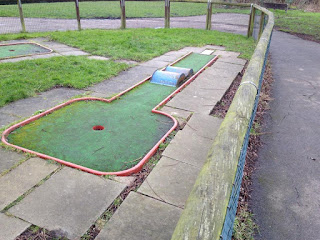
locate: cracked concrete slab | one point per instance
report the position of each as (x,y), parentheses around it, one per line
(181,115)
(170,181)
(22,178)
(205,126)
(141,217)
(69,202)
(11,227)
(8,159)
(188,147)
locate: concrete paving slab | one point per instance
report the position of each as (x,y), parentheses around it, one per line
(198,89)
(22,178)
(170,181)
(229,66)
(74,53)
(215,81)
(8,159)
(11,227)
(181,115)
(175,54)
(155,63)
(99,58)
(27,107)
(188,147)
(110,87)
(69,202)
(141,217)
(187,102)
(233,60)
(223,72)
(203,125)
(49,55)
(129,62)
(214,47)
(227,53)
(6,118)
(166,58)
(16,59)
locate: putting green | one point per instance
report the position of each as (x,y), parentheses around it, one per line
(130,128)
(20,50)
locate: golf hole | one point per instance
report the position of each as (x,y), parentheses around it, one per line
(11,50)
(98,128)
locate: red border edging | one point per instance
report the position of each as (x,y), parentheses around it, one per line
(126,172)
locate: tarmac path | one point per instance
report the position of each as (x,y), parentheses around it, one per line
(286,184)
(226,22)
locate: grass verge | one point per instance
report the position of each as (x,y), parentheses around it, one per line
(26,78)
(298,22)
(109,9)
(143,44)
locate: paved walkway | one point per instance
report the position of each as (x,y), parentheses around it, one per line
(226,22)
(286,186)
(67,201)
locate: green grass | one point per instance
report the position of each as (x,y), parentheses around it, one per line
(298,21)
(26,78)
(244,226)
(108,9)
(143,44)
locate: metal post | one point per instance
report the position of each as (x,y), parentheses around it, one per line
(123,14)
(23,25)
(78,14)
(261,25)
(167,13)
(209,15)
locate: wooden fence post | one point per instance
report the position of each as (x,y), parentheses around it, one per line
(261,25)
(251,21)
(209,15)
(123,14)
(23,25)
(167,13)
(78,14)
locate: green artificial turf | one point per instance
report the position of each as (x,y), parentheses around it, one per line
(130,128)
(16,50)
(108,9)
(26,78)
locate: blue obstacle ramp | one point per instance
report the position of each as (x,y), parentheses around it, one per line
(172,79)
(188,72)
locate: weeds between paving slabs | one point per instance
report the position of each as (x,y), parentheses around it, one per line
(244,226)
(140,177)
(37,233)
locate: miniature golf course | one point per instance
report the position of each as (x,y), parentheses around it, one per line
(21,49)
(103,136)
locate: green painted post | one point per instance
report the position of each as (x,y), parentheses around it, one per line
(209,15)
(23,25)
(167,13)
(123,13)
(78,14)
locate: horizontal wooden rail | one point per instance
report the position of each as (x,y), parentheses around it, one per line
(206,208)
